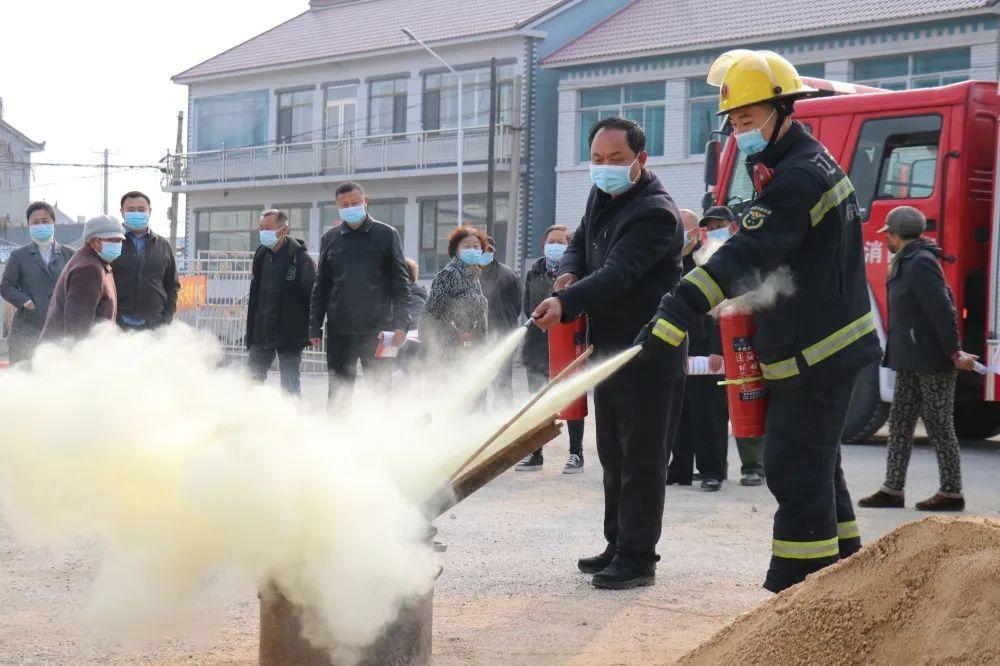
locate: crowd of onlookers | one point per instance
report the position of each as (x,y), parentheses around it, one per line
(365,298)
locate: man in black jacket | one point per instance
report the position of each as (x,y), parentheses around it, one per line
(626,250)
(361,280)
(703,433)
(278,307)
(924,349)
(502,290)
(146,272)
(811,344)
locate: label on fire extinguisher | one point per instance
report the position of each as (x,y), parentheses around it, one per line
(748,368)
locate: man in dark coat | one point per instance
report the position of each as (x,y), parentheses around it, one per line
(502,290)
(85,292)
(361,280)
(923,347)
(627,249)
(146,272)
(703,434)
(281,285)
(30,277)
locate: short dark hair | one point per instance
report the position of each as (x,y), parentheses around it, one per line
(460,234)
(636,135)
(282,216)
(555,227)
(40,205)
(349,186)
(134,194)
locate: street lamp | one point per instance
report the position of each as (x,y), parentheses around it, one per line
(461,133)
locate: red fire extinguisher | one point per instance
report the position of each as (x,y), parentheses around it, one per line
(744,381)
(566,343)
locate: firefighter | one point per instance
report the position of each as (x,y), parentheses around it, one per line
(812,343)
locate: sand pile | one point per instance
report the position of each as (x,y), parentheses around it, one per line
(926,593)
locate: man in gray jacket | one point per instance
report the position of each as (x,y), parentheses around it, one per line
(29,279)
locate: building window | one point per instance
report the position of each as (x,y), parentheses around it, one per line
(234,121)
(295,121)
(339,120)
(438,220)
(440,98)
(387,107)
(816,70)
(918,70)
(233,230)
(641,102)
(703,105)
(392,213)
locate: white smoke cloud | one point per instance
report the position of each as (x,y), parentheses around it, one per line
(186,472)
(706,250)
(183,470)
(778,284)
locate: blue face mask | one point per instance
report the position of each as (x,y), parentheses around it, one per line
(268,238)
(137,221)
(554,252)
(752,142)
(612,178)
(486,259)
(353,215)
(720,235)
(110,250)
(41,233)
(470,256)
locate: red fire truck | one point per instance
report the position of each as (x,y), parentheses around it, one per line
(934,149)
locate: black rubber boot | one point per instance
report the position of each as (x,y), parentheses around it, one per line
(592,565)
(624,574)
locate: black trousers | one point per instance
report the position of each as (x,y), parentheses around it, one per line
(635,429)
(342,355)
(814,525)
(289,366)
(703,435)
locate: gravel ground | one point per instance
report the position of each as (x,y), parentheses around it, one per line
(510,592)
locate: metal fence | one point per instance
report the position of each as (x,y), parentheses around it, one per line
(214,294)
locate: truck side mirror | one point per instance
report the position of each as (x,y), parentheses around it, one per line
(712,151)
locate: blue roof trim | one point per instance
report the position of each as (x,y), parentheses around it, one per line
(809,45)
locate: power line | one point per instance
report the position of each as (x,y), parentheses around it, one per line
(96,165)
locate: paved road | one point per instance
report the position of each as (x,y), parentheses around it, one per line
(509,592)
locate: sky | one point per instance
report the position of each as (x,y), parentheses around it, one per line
(84,75)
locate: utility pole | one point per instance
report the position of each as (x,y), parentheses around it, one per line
(105,181)
(175,197)
(491,166)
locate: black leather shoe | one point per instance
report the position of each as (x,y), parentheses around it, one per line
(623,575)
(592,565)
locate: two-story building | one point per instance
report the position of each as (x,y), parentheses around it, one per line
(15,173)
(648,62)
(340,93)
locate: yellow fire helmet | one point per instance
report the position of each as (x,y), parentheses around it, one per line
(747,77)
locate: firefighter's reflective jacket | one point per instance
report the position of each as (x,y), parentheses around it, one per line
(805,218)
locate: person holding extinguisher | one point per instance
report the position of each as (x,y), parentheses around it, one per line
(535,351)
(812,343)
(626,252)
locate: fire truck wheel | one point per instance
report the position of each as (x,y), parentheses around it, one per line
(977,420)
(867,413)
